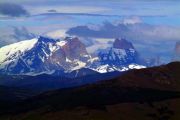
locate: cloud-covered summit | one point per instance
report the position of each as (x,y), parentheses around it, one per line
(14,34)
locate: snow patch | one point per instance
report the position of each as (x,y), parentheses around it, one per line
(79,65)
(107,68)
(61,43)
(135,66)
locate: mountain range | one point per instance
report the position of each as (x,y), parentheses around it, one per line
(46,55)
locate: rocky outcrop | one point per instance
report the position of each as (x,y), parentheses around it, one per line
(74,49)
(121,43)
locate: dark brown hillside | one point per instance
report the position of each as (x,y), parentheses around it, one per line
(165,77)
(146,94)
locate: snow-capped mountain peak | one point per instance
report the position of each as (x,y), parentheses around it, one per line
(42,54)
(13,51)
(122,56)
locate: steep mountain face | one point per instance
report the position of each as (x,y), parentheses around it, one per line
(121,56)
(114,56)
(74,49)
(121,53)
(177,52)
(43,54)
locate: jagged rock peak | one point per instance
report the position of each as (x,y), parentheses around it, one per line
(122,43)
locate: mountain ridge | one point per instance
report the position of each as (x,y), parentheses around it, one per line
(43,54)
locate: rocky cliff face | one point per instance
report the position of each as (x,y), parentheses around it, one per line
(122,44)
(74,49)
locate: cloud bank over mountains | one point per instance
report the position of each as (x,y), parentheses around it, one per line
(12,10)
(14,34)
(157,40)
(129,29)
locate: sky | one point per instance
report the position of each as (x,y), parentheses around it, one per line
(153,26)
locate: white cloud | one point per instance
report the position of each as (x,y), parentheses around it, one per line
(132,20)
(66,9)
(57,34)
(11,35)
(99,43)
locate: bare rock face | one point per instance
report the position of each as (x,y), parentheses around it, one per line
(122,44)
(177,52)
(74,48)
(57,60)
